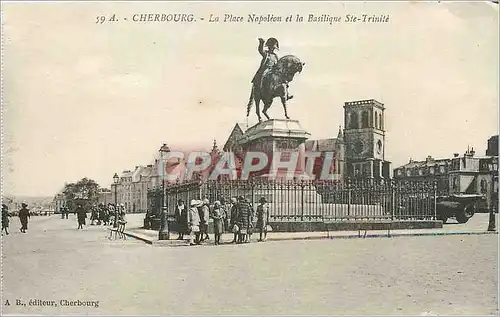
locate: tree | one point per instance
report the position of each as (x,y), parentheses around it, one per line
(85,191)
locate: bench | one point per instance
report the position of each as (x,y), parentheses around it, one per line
(358,224)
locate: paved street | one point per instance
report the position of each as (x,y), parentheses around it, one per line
(409,275)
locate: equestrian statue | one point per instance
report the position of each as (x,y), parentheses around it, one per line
(272,78)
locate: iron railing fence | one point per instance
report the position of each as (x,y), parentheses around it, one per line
(312,200)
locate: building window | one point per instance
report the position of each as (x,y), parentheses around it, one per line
(408,173)
(420,172)
(376,120)
(455,184)
(365,119)
(484,186)
(380,121)
(441,169)
(354,120)
(431,170)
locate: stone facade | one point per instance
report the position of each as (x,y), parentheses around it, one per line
(466,174)
(364,137)
(271,136)
(429,170)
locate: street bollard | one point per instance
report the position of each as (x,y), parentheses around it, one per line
(164,233)
(491,221)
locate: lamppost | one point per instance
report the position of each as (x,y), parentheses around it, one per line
(164,233)
(493,168)
(116,179)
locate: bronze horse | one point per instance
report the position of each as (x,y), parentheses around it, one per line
(274,83)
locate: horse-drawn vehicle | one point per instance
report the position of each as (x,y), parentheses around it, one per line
(459,206)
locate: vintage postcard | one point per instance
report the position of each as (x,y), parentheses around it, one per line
(250,158)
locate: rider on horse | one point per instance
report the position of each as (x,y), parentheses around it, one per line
(269,59)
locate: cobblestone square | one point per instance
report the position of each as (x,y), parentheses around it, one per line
(410,275)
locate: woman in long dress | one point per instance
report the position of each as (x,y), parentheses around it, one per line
(194,223)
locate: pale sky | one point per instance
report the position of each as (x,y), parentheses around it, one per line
(87,100)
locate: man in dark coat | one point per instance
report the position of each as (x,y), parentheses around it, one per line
(81,215)
(24,214)
(5,218)
(243,220)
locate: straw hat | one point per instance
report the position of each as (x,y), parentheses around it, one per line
(194,202)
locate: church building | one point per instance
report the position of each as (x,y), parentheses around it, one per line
(364,137)
(358,151)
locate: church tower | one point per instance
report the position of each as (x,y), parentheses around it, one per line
(364,137)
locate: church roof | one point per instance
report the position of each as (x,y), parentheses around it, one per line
(323,145)
(236,133)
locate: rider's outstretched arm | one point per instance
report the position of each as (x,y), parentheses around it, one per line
(261,47)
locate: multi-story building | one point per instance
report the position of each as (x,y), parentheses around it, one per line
(429,170)
(139,190)
(124,190)
(466,174)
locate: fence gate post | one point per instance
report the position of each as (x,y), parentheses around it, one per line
(435,200)
(302,201)
(393,200)
(348,199)
(253,194)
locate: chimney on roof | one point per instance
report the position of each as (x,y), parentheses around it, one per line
(429,159)
(411,160)
(472,152)
(456,154)
(150,165)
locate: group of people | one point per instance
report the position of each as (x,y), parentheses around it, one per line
(101,215)
(104,215)
(24,215)
(237,217)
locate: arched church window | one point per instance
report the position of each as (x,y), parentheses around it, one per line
(364,119)
(376,120)
(381,121)
(354,120)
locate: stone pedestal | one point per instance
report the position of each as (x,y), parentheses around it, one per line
(276,135)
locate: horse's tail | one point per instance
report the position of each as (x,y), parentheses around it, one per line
(250,102)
